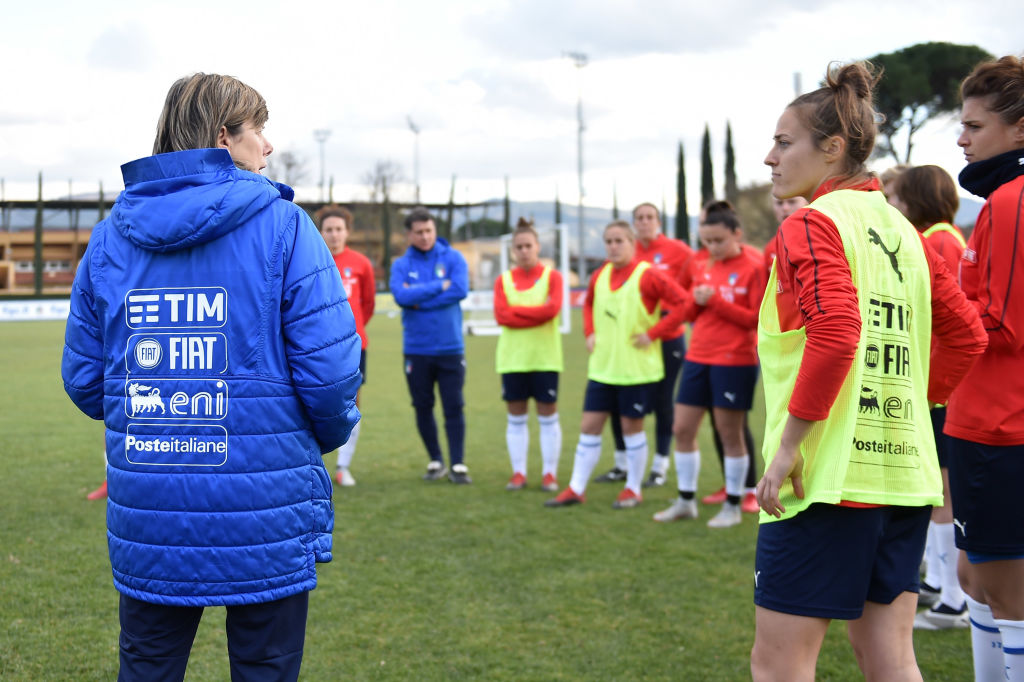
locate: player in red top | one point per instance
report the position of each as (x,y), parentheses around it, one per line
(670,257)
(721,369)
(749,502)
(360,287)
(985,415)
(630,399)
(541,383)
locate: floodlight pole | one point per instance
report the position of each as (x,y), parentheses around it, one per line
(321,135)
(579,60)
(415,155)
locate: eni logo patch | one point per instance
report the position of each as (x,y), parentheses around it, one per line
(178,398)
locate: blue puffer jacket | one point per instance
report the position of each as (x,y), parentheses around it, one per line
(210,331)
(431,316)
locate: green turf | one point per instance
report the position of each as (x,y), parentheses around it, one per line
(430,581)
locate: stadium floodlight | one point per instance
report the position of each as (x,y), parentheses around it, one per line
(579,60)
(321,135)
(415,155)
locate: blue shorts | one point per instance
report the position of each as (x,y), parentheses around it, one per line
(722,386)
(628,401)
(541,386)
(362,366)
(828,560)
(985,483)
(938,415)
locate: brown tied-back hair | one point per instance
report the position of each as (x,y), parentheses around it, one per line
(929,195)
(1002,81)
(844,107)
(198,106)
(525,226)
(720,212)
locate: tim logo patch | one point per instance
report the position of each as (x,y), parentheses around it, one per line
(176,307)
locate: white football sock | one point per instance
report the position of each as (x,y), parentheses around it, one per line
(687,470)
(550,443)
(588,451)
(986,642)
(659,465)
(1012,632)
(621,459)
(517,438)
(735,474)
(346,451)
(636,449)
(931,557)
(946,555)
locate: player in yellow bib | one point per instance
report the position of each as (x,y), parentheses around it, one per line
(527,301)
(845,338)
(623,326)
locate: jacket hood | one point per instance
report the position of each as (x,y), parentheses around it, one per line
(181,199)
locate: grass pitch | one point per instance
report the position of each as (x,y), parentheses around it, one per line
(430,581)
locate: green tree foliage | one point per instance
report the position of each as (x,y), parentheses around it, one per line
(481,227)
(682,214)
(707,172)
(918,84)
(754,206)
(731,189)
(615,203)
(558,209)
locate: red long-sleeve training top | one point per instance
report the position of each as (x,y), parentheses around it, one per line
(670,257)
(521,316)
(655,288)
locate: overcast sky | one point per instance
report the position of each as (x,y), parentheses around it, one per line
(486,82)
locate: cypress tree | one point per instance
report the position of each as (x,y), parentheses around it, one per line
(451,211)
(682,215)
(615,202)
(707,173)
(732,192)
(507,206)
(558,209)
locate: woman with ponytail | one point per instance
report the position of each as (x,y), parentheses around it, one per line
(985,416)
(845,338)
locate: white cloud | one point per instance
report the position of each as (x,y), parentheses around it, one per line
(485,81)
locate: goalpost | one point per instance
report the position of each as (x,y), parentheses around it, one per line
(489,257)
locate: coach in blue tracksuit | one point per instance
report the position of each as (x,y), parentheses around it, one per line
(428,282)
(209,329)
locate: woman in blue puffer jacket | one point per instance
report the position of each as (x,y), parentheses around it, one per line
(210,331)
